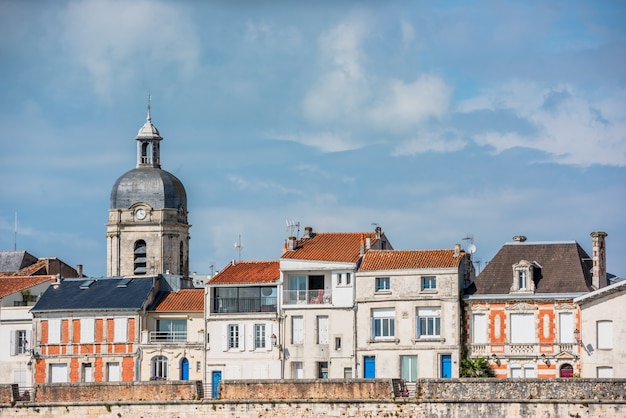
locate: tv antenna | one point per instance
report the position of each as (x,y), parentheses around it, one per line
(471,248)
(239,246)
(291,226)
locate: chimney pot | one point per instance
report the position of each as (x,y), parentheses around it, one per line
(519,238)
(79,270)
(308,232)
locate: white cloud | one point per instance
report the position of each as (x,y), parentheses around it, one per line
(570,128)
(260,185)
(325,141)
(117,42)
(408,33)
(429,142)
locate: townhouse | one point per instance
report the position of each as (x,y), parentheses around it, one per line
(243,324)
(318,311)
(408,312)
(521,313)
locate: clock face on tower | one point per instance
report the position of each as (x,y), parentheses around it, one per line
(140,213)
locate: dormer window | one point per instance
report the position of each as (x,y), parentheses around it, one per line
(523,276)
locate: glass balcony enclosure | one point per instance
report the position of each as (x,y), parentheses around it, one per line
(243,299)
(302,289)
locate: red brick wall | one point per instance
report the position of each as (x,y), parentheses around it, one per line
(74,369)
(64,331)
(110,330)
(40,371)
(76,331)
(131,330)
(128,369)
(98,371)
(99,330)
(44,332)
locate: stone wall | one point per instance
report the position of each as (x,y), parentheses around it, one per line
(306,389)
(116,391)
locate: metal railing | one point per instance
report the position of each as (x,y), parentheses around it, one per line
(239,305)
(308,297)
(167,336)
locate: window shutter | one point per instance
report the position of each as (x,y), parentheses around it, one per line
(250,337)
(268,336)
(224,337)
(30,344)
(480,329)
(242,339)
(13,343)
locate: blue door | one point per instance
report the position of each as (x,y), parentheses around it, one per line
(184,369)
(369,367)
(446,366)
(215,381)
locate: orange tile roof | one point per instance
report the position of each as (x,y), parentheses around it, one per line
(409,259)
(183,300)
(14,284)
(330,246)
(248,272)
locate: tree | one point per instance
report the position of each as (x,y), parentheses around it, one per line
(475,367)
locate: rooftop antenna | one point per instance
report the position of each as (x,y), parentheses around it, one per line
(239,246)
(471,248)
(15,233)
(291,226)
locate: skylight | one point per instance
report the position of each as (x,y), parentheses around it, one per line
(86,284)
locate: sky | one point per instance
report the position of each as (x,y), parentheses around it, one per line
(438,121)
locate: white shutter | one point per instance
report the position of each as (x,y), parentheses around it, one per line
(604,372)
(224,337)
(120,330)
(30,343)
(250,337)
(54,331)
(268,336)
(58,373)
(13,342)
(566,327)
(480,329)
(297,330)
(87,330)
(322,329)
(522,328)
(605,334)
(242,339)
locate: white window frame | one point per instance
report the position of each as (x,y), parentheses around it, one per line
(522,328)
(120,330)
(604,332)
(54,331)
(566,328)
(479,329)
(383,323)
(234,337)
(428,283)
(428,322)
(87,330)
(382,284)
(260,336)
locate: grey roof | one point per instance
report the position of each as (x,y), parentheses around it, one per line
(565,268)
(151,185)
(102,294)
(12,261)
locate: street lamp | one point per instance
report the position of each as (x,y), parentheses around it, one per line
(577,336)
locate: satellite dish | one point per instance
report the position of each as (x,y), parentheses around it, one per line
(471,249)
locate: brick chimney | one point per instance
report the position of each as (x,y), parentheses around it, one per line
(308,232)
(290,244)
(79,270)
(362,246)
(598,272)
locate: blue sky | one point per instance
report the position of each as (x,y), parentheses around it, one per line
(435,120)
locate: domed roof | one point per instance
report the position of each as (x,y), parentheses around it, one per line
(150,185)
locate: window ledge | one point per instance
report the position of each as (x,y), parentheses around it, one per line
(431,291)
(382,292)
(384,340)
(429,340)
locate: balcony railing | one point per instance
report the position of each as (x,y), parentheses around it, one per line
(517,349)
(242,305)
(307,297)
(168,336)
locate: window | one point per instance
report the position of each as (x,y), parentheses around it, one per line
(566,328)
(382,283)
(408,368)
(428,322)
(297,330)
(604,372)
(233,336)
(348,278)
(87,372)
(523,273)
(120,330)
(140,257)
(297,371)
(479,329)
(19,342)
(322,370)
(181,259)
(87,330)
(522,279)
(525,371)
(159,368)
(259,336)
(58,373)
(429,283)
(344,278)
(605,335)
(339,279)
(54,331)
(337,343)
(113,372)
(172,329)
(522,328)
(322,329)
(347,372)
(383,323)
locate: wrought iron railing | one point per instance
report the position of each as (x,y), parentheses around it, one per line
(239,305)
(308,297)
(167,336)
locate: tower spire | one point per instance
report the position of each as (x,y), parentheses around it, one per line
(149,118)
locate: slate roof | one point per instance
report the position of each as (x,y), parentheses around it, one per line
(410,259)
(182,301)
(13,261)
(102,294)
(565,268)
(248,272)
(330,246)
(10,284)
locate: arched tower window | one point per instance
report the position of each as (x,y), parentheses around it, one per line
(181,260)
(140,257)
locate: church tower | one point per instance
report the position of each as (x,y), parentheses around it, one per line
(147,231)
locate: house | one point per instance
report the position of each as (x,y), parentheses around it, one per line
(18,294)
(22,263)
(520,311)
(89,329)
(318,289)
(408,312)
(602,333)
(172,342)
(243,323)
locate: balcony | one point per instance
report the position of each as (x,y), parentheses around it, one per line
(167,336)
(243,305)
(307,297)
